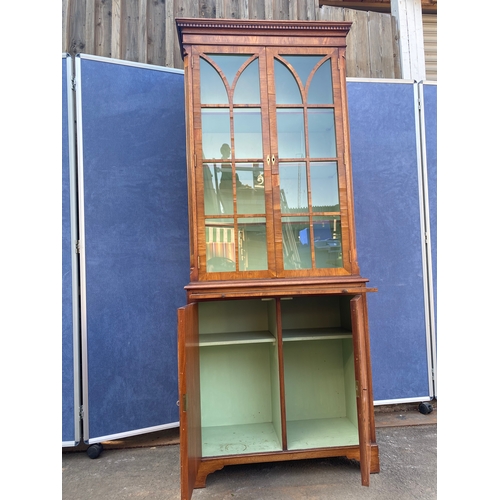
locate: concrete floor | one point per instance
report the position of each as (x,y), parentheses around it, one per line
(148,467)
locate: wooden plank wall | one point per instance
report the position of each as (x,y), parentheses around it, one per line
(144,30)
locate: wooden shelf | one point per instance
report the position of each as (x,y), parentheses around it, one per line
(231,338)
(316,334)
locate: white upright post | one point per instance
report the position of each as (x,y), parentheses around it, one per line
(408,14)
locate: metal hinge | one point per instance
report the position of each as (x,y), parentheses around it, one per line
(184,402)
(73,83)
(198,261)
(357,389)
(77,246)
(80,413)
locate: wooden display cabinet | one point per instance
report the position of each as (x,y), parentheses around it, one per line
(274,354)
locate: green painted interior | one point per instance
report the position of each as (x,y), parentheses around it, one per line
(239,386)
(315,312)
(226,316)
(239,439)
(239,371)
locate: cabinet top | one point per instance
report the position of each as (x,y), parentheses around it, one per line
(223,31)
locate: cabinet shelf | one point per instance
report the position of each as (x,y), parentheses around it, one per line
(233,338)
(319,433)
(316,334)
(239,439)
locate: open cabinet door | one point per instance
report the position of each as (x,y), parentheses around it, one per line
(189,397)
(359,332)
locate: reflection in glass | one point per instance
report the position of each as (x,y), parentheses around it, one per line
(210,189)
(247,90)
(215,131)
(296,247)
(324,187)
(252,244)
(320,89)
(303,65)
(224,187)
(250,188)
(290,133)
(327,242)
(229,64)
(220,248)
(247,133)
(287,90)
(213,90)
(293,183)
(321,125)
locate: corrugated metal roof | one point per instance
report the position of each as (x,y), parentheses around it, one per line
(429,24)
(428,6)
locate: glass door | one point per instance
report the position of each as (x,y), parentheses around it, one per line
(307,158)
(236,203)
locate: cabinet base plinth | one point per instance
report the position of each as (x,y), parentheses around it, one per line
(209,465)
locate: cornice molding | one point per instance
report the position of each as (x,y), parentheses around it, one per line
(262,25)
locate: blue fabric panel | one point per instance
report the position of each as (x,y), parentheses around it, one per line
(68,372)
(136,243)
(430,117)
(386,195)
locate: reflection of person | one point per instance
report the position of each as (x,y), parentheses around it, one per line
(225,151)
(226,179)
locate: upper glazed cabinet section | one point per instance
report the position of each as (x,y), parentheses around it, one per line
(269,155)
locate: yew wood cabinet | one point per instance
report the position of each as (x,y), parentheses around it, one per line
(274,354)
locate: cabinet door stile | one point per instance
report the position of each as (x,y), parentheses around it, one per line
(267,127)
(189,397)
(360,363)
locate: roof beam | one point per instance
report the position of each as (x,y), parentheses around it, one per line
(428,6)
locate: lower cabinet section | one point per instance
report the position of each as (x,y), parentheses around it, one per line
(279,379)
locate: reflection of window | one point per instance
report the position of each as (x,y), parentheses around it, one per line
(221,249)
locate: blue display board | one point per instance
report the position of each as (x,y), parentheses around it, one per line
(429,106)
(387,196)
(70,327)
(135,249)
